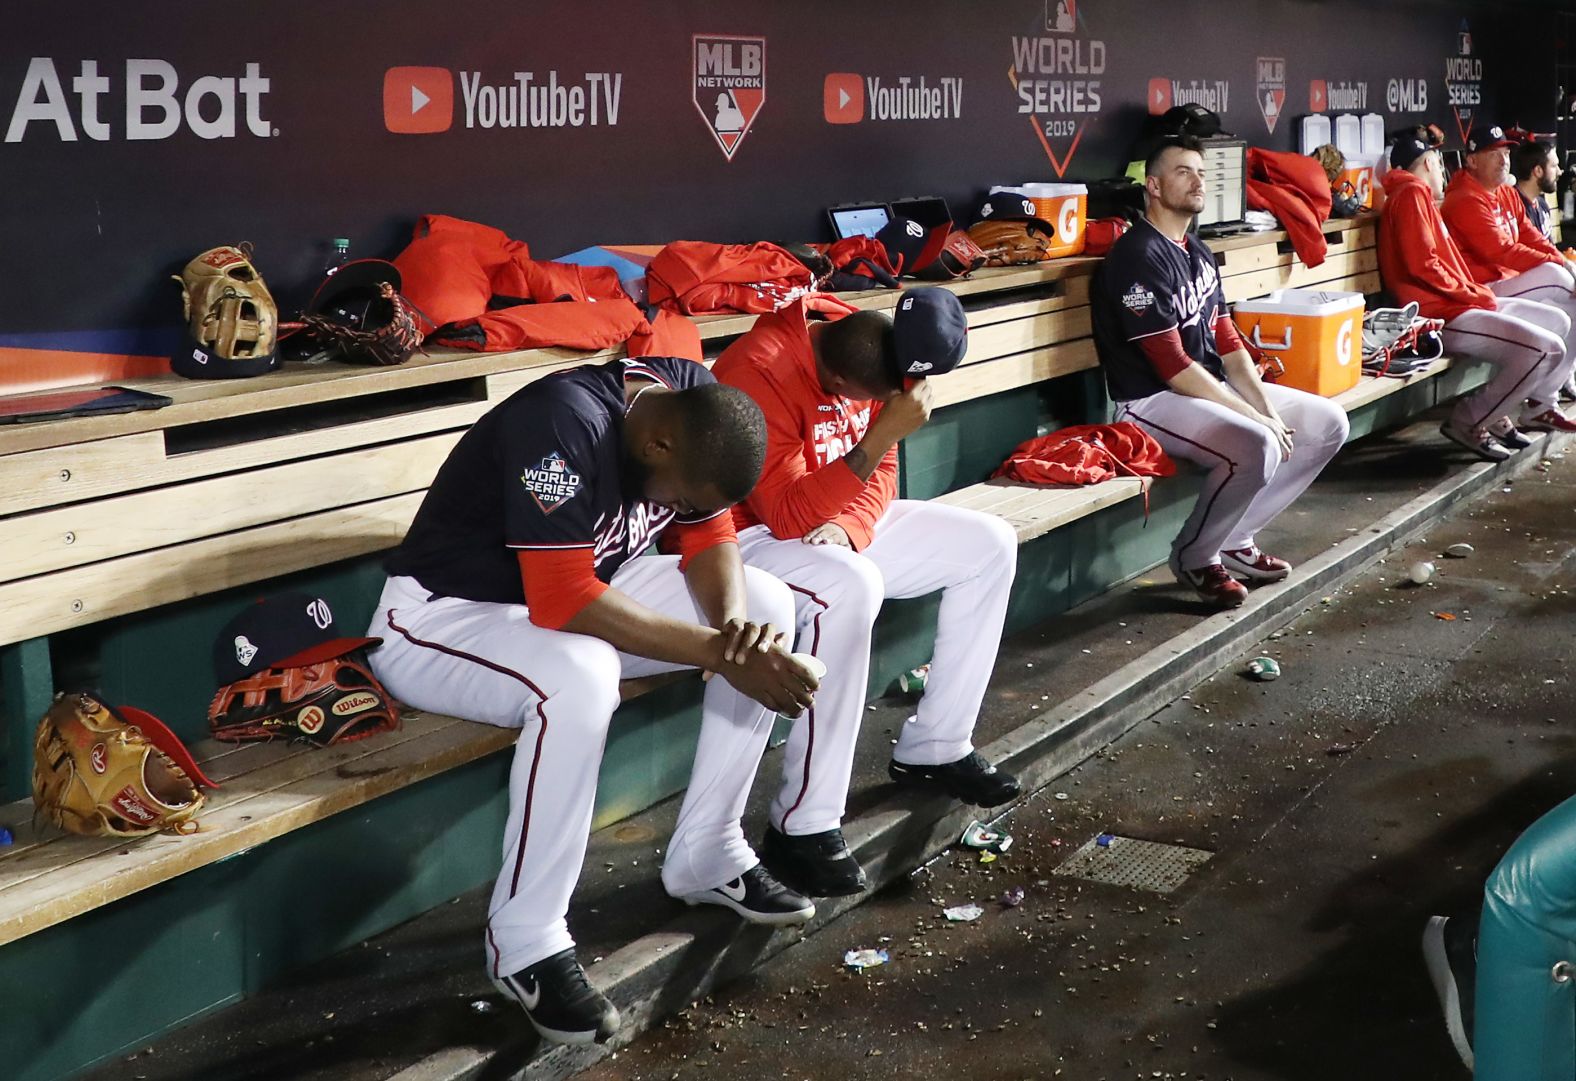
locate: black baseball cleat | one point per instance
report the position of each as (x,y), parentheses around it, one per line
(816,864)
(560,1002)
(1450,952)
(759,898)
(970,779)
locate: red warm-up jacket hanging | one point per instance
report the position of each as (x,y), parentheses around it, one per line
(482,290)
(700,278)
(1296,190)
(1417,258)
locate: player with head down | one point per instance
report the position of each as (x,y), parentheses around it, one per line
(519,598)
(838,396)
(1175,366)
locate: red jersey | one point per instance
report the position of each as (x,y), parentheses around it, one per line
(805,482)
(1417,258)
(1493,231)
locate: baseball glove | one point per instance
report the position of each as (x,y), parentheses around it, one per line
(334,701)
(113,772)
(958,258)
(1331,159)
(232,322)
(379,328)
(1011,243)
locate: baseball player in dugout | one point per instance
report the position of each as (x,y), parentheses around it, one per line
(1525,340)
(1175,366)
(1536,169)
(838,396)
(1505,250)
(519,598)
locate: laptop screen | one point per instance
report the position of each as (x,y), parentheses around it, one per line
(865,220)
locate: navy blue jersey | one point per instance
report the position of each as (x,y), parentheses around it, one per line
(544,469)
(1150,284)
(1538,214)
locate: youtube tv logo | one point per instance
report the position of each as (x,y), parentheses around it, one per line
(843,98)
(1159,98)
(418,101)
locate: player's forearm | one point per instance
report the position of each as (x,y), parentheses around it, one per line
(631,627)
(1243,375)
(716,581)
(869,451)
(1194,382)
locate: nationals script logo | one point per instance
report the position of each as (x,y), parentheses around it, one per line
(1057,78)
(730,85)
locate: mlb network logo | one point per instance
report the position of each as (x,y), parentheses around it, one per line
(418,101)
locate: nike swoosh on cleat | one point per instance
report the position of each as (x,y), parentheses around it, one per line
(733,890)
(532,998)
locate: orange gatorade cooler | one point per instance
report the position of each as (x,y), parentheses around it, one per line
(1361,178)
(1065,206)
(1316,335)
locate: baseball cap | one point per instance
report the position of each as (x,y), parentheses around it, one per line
(929,332)
(1487,137)
(287,630)
(1191,119)
(1407,149)
(1011,206)
(909,245)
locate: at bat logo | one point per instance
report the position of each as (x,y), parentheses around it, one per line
(149,97)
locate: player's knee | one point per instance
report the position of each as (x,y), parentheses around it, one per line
(767,599)
(997,540)
(589,670)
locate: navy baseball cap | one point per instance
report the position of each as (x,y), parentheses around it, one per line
(909,245)
(1487,137)
(287,630)
(1011,206)
(1407,149)
(929,332)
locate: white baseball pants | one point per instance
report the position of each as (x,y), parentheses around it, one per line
(1552,284)
(1526,343)
(490,663)
(918,547)
(1248,484)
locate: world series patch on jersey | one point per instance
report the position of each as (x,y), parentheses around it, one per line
(1150,285)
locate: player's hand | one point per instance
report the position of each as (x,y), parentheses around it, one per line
(1282,434)
(740,637)
(905,414)
(774,679)
(829,533)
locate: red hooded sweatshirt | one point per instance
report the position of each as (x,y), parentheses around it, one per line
(805,482)
(1497,238)
(1417,258)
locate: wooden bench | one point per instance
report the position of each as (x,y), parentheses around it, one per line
(239,482)
(1250,267)
(242,482)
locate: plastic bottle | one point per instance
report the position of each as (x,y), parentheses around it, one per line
(339,257)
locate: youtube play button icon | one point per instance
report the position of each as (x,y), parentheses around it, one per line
(1159,96)
(843,98)
(418,101)
(1318,96)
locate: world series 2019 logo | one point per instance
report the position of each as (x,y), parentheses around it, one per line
(1464,80)
(1057,79)
(729,74)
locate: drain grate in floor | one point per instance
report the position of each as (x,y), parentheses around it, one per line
(1127,861)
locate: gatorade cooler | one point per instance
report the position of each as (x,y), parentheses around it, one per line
(1065,206)
(1317,336)
(1361,178)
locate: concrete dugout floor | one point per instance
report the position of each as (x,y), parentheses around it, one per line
(1292,954)
(1374,784)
